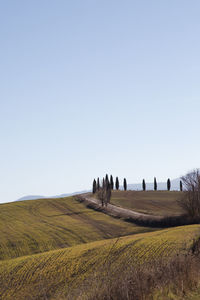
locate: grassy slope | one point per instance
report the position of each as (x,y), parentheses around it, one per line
(194,295)
(152,202)
(29,227)
(36,226)
(56,271)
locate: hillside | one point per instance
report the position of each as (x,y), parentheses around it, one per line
(35,226)
(161,203)
(54,274)
(55,248)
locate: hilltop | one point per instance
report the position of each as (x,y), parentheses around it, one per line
(162,186)
(175,186)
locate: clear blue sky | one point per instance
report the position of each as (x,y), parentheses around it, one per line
(95,87)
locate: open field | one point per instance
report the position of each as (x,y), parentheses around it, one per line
(53,248)
(161,203)
(57,272)
(35,226)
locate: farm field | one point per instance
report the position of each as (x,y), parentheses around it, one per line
(59,272)
(49,248)
(35,226)
(161,203)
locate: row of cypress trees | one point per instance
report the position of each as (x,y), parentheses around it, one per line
(156,186)
(110,184)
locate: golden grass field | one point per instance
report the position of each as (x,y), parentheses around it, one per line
(49,247)
(54,273)
(163,203)
(34,226)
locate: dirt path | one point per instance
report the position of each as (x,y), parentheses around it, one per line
(119,212)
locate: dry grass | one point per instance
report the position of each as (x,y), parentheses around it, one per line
(62,272)
(101,269)
(36,226)
(162,203)
(160,279)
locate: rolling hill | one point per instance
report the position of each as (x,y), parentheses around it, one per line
(54,248)
(59,273)
(34,226)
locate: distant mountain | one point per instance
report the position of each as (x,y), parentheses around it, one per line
(35,197)
(70,194)
(30,197)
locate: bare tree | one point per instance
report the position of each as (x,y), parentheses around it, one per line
(104,194)
(108,193)
(101,195)
(191,196)
(103,183)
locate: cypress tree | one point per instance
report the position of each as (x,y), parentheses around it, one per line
(125,184)
(106,181)
(181,186)
(111,182)
(117,183)
(155,184)
(98,184)
(143,185)
(168,184)
(94,187)
(107,185)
